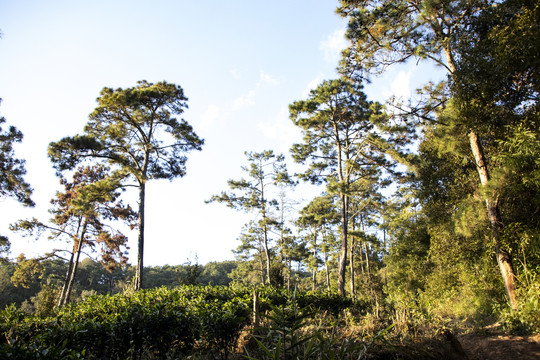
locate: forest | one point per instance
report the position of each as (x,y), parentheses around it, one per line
(426,229)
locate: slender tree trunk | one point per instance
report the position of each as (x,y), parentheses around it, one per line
(325,251)
(261,266)
(361,262)
(142,197)
(364,244)
(344,242)
(344,199)
(353,291)
(140,248)
(76,264)
(367,262)
(256,310)
(370,285)
(282,231)
(504,259)
(72,269)
(368,271)
(62,299)
(265,229)
(289,270)
(327,272)
(384,238)
(315,265)
(267,254)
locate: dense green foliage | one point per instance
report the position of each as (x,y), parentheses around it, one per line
(152,323)
(463,228)
(22,281)
(12,170)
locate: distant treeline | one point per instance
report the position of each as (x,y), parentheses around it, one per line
(31,284)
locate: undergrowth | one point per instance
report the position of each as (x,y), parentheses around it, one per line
(190,321)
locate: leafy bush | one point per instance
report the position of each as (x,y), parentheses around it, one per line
(150,324)
(108,327)
(289,334)
(525,318)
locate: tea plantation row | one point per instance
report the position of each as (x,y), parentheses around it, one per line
(159,323)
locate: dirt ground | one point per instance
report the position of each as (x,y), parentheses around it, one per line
(500,347)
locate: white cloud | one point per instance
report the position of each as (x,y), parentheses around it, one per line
(312,85)
(244,100)
(333,45)
(267,79)
(281,130)
(249,98)
(400,87)
(212,114)
(234,73)
(216,115)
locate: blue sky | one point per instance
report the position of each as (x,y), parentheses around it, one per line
(241,63)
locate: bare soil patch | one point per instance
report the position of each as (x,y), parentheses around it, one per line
(500,347)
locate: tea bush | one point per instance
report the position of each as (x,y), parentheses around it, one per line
(156,323)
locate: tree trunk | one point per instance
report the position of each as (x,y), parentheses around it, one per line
(261,266)
(75,264)
(282,231)
(344,241)
(289,271)
(325,250)
(327,273)
(315,265)
(265,229)
(72,269)
(353,291)
(256,310)
(361,262)
(504,259)
(367,262)
(62,299)
(364,244)
(267,254)
(140,248)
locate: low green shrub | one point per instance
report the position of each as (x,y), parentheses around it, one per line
(155,323)
(525,318)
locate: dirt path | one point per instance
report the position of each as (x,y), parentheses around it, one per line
(501,347)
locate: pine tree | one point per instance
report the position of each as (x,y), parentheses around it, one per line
(341,145)
(136,131)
